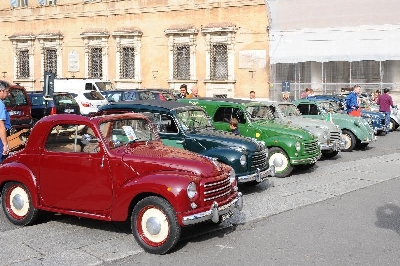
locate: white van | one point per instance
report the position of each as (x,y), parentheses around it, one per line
(75,85)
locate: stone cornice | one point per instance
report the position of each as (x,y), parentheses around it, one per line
(110,8)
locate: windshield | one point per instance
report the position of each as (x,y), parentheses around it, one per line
(194,119)
(64,99)
(289,110)
(330,107)
(260,112)
(16,97)
(94,95)
(125,131)
(105,86)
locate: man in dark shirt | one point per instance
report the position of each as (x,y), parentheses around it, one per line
(385,102)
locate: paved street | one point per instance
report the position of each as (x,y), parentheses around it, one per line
(344,211)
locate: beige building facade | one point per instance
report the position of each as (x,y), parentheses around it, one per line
(222,46)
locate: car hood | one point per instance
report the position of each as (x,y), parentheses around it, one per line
(300,121)
(276,129)
(211,138)
(169,159)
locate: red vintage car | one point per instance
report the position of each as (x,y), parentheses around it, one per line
(115,168)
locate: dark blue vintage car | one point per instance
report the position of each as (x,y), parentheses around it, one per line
(375,119)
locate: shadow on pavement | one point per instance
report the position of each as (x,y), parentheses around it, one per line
(388,217)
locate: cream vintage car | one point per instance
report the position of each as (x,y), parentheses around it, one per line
(329,135)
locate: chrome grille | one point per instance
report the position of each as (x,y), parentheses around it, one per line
(311,147)
(217,190)
(335,136)
(259,160)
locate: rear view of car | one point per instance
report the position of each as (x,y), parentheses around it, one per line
(90,101)
(61,103)
(128,95)
(163,95)
(19,108)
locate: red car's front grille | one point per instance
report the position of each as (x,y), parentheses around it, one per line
(217,190)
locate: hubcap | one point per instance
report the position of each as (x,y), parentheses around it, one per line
(280,162)
(153,226)
(19,201)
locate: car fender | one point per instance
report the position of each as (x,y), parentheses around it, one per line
(169,185)
(19,172)
(227,156)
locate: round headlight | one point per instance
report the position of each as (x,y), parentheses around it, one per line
(243,160)
(232,176)
(298,146)
(191,190)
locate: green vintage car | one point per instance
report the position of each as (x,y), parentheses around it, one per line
(189,127)
(288,146)
(356,131)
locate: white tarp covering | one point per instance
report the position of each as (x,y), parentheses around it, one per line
(341,30)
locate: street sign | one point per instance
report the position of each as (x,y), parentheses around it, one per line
(285,86)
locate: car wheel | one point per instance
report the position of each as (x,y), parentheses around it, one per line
(392,125)
(154,225)
(17,204)
(349,140)
(278,158)
(329,154)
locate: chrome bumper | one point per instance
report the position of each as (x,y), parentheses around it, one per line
(258,176)
(215,211)
(307,160)
(334,146)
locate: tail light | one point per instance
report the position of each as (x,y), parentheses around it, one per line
(86,104)
(53,110)
(162,98)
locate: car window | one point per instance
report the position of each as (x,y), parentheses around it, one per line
(289,109)
(16,97)
(146,95)
(93,95)
(72,138)
(194,119)
(163,122)
(260,112)
(37,100)
(114,96)
(129,96)
(125,131)
(64,99)
(224,114)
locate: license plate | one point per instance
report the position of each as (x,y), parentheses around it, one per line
(69,111)
(14,112)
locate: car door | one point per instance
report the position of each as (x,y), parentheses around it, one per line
(72,177)
(168,130)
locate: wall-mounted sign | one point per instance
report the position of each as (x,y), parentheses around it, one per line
(73,61)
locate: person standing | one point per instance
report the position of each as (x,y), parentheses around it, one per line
(305,93)
(184,91)
(194,94)
(5,122)
(286,97)
(252,95)
(385,102)
(353,103)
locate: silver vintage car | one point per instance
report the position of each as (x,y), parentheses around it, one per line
(329,135)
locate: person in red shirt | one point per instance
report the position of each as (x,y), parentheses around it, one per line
(385,102)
